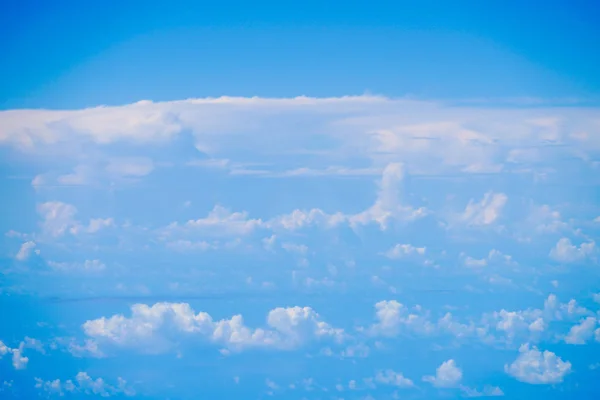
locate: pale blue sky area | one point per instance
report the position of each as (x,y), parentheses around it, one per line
(299,201)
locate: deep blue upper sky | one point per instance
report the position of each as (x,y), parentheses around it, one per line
(73,53)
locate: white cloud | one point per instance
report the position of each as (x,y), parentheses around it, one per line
(25,250)
(81,175)
(485,212)
(401,250)
(19,360)
(86,266)
(581,333)
(392,317)
(299,249)
(156,328)
(565,251)
(494,257)
(447,375)
(220,221)
(83,383)
(536,367)
(58,218)
(488,391)
(475,263)
(543,219)
(430,137)
(388,207)
(130,167)
(390,377)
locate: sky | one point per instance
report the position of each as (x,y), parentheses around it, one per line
(299,200)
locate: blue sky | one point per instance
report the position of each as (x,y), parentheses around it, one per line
(307,201)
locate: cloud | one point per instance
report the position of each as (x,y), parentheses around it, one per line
(393,316)
(156,328)
(84,384)
(299,249)
(86,266)
(388,207)
(485,212)
(58,218)
(538,368)
(493,257)
(581,333)
(429,137)
(220,221)
(565,251)
(390,377)
(401,250)
(19,360)
(447,375)
(25,250)
(488,391)
(130,167)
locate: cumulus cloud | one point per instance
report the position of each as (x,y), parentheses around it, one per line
(158,327)
(488,391)
(538,368)
(393,316)
(447,375)
(388,207)
(130,167)
(58,218)
(86,266)
(25,251)
(582,332)
(401,250)
(494,328)
(565,251)
(84,384)
(19,360)
(220,221)
(393,378)
(485,212)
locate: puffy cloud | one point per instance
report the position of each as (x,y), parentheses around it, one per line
(390,377)
(447,375)
(299,249)
(156,328)
(25,250)
(497,327)
(565,251)
(19,360)
(582,332)
(393,316)
(485,212)
(475,263)
(488,391)
(388,207)
(83,383)
(536,367)
(58,218)
(401,250)
(220,221)
(86,266)
(3,349)
(130,167)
